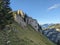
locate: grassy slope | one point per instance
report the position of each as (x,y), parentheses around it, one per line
(28,36)
(55,26)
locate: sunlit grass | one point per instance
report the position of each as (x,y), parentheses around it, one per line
(28,36)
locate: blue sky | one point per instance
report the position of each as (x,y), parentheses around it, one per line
(45,11)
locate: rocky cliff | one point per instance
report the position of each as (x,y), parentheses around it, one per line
(22,18)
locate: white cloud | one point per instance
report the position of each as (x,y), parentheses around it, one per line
(54,6)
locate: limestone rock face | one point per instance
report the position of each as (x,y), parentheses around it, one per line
(33,23)
(18,17)
(21,18)
(21,13)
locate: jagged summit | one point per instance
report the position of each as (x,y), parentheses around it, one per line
(20,12)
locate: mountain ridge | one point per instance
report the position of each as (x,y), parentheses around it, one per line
(23,31)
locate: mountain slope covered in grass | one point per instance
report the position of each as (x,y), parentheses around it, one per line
(55,26)
(22,36)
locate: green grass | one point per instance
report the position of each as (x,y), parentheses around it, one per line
(28,36)
(55,26)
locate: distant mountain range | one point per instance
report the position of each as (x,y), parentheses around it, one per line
(50,26)
(56,26)
(45,26)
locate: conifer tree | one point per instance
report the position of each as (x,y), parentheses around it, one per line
(6,16)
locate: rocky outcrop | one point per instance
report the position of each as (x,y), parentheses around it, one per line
(32,22)
(18,17)
(21,18)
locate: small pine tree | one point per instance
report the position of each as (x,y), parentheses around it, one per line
(6,16)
